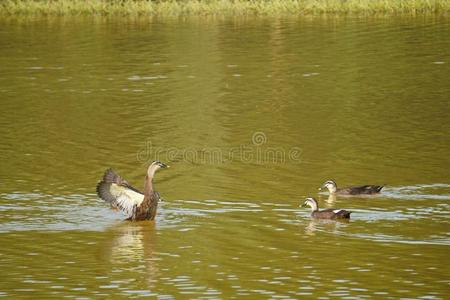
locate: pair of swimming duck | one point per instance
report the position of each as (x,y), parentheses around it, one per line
(334,190)
(139,205)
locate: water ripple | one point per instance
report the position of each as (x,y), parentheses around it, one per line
(436,191)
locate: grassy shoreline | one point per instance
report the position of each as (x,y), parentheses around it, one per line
(222,7)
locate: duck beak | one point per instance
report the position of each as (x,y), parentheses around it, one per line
(163,166)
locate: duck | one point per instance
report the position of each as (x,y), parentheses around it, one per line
(326,213)
(137,205)
(352,190)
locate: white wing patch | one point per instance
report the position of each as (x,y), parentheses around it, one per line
(127,200)
(336,211)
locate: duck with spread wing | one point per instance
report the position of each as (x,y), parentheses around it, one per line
(135,204)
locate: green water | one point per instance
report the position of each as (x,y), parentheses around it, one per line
(253,115)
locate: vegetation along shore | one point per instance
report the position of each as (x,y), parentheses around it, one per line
(221,7)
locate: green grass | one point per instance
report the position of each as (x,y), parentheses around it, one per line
(221,7)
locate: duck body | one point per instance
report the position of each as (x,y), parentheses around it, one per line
(330,214)
(147,209)
(352,190)
(360,190)
(137,205)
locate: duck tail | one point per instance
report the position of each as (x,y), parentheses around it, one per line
(379,188)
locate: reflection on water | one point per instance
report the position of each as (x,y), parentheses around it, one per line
(133,244)
(437,191)
(225,101)
(330,226)
(331,200)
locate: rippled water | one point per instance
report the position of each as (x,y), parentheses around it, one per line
(253,115)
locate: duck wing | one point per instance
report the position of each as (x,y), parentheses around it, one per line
(324,214)
(116,191)
(342,213)
(332,214)
(364,189)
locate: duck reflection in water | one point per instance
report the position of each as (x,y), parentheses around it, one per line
(129,247)
(331,199)
(321,225)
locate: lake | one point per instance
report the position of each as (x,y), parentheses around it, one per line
(252,115)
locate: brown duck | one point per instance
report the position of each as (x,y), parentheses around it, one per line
(352,190)
(135,204)
(326,213)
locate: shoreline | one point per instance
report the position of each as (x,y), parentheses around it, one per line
(223,8)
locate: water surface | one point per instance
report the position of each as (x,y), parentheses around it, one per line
(252,115)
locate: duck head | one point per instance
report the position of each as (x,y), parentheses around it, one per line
(330,185)
(155,166)
(311,202)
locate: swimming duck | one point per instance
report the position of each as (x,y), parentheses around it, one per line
(326,213)
(352,190)
(135,204)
